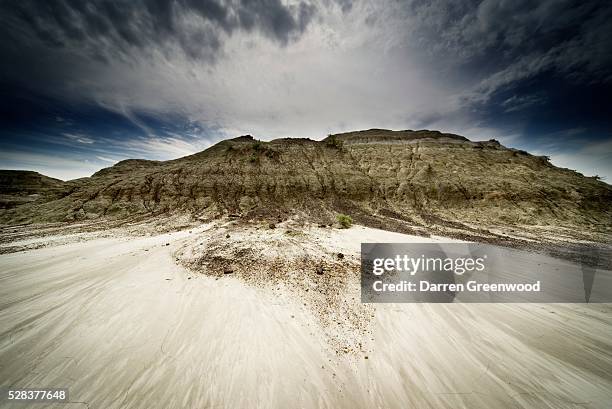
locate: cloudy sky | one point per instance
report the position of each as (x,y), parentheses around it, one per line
(85,84)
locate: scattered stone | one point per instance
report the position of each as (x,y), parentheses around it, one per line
(366,357)
(320,270)
(228,271)
(188,278)
(272,226)
(340,256)
(167,244)
(227,236)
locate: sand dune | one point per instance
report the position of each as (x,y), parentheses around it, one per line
(122,325)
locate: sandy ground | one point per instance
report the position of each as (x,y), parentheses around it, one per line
(121,324)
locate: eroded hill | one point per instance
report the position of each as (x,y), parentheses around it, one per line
(393,179)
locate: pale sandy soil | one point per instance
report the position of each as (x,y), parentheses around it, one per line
(121,323)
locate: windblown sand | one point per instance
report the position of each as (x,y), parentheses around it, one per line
(129,322)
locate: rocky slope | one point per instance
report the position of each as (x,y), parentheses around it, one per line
(18,187)
(401,179)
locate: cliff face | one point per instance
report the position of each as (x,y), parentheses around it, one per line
(416,177)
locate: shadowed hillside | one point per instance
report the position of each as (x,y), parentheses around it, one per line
(18,187)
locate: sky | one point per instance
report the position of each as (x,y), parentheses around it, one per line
(85,84)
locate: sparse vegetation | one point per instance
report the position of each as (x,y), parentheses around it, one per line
(259,148)
(294,233)
(271,153)
(345,221)
(333,142)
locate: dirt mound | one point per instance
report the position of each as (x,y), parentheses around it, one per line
(405,178)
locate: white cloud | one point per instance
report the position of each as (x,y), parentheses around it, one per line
(80,138)
(105,159)
(342,73)
(590,159)
(56,166)
(161,148)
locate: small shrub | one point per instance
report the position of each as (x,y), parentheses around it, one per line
(333,142)
(271,153)
(345,221)
(257,146)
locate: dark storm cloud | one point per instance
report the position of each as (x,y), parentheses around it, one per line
(532,67)
(111,28)
(506,41)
